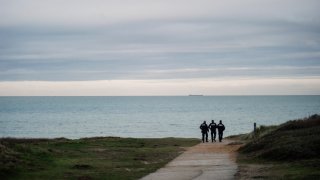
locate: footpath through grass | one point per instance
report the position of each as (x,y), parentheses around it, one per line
(288,151)
(89,158)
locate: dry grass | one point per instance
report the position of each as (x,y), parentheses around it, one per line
(288,151)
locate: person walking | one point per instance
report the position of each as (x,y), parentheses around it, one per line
(213,130)
(220,128)
(204,130)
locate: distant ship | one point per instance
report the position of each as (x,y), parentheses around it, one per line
(195,95)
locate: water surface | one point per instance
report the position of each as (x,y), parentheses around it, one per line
(173,116)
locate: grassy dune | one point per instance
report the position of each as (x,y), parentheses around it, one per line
(289,151)
(89,158)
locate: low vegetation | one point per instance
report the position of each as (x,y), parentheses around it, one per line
(89,158)
(288,151)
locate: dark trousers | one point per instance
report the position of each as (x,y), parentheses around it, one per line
(213,136)
(204,136)
(220,136)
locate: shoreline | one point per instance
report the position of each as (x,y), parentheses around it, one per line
(97,137)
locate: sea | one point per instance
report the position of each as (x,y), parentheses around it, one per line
(145,117)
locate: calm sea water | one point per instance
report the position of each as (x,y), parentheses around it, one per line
(76,117)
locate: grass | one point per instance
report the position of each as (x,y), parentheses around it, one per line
(89,158)
(289,151)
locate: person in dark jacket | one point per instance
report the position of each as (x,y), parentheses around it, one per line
(213,130)
(204,130)
(220,128)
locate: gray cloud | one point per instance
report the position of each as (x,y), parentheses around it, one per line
(97,40)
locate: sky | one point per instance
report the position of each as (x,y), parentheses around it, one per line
(159,47)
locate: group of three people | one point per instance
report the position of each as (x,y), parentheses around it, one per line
(213,128)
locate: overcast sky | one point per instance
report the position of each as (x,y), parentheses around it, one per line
(159,47)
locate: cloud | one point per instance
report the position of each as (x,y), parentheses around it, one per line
(82,12)
(211,86)
(77,40)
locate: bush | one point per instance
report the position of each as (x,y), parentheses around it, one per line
(293,140)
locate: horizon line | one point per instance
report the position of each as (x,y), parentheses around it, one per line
(159,95)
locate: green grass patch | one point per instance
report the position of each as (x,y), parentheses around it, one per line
(88,158)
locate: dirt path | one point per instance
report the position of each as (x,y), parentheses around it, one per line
(201,162)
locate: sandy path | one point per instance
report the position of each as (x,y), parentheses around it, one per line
(200,162)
